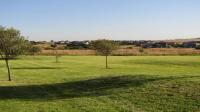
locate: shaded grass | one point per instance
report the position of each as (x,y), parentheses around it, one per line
(91,87)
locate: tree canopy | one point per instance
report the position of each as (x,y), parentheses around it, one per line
(105,47)
(12,43)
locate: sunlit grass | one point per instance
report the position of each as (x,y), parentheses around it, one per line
(81,83)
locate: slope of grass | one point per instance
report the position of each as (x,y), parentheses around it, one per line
(81,83)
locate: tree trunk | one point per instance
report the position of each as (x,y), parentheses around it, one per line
(56,54)
(106,62)
(56,58)
(8,68)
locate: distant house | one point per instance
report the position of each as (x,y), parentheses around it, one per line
(191,44)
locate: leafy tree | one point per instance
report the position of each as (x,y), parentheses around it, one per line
(12,44)
(105,48)
(35,49)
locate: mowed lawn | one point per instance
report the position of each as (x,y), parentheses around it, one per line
(81,83)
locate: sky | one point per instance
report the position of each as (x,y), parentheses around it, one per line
(102,19)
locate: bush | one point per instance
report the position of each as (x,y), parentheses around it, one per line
(35,49)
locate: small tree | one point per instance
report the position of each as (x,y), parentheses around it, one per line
(54,46)
(105,48)
(34,49)
(141,50)
(12,44)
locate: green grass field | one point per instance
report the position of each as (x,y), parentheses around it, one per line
(81,83)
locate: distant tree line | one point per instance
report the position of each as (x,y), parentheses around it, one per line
(62,45)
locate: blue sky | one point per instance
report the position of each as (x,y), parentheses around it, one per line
(96,19)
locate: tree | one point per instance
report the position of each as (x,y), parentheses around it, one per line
(105,48)
(54,46)
(35,49)
(12,44)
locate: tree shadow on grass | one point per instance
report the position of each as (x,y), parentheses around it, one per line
(29,68)
(86,88)
(166,63)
